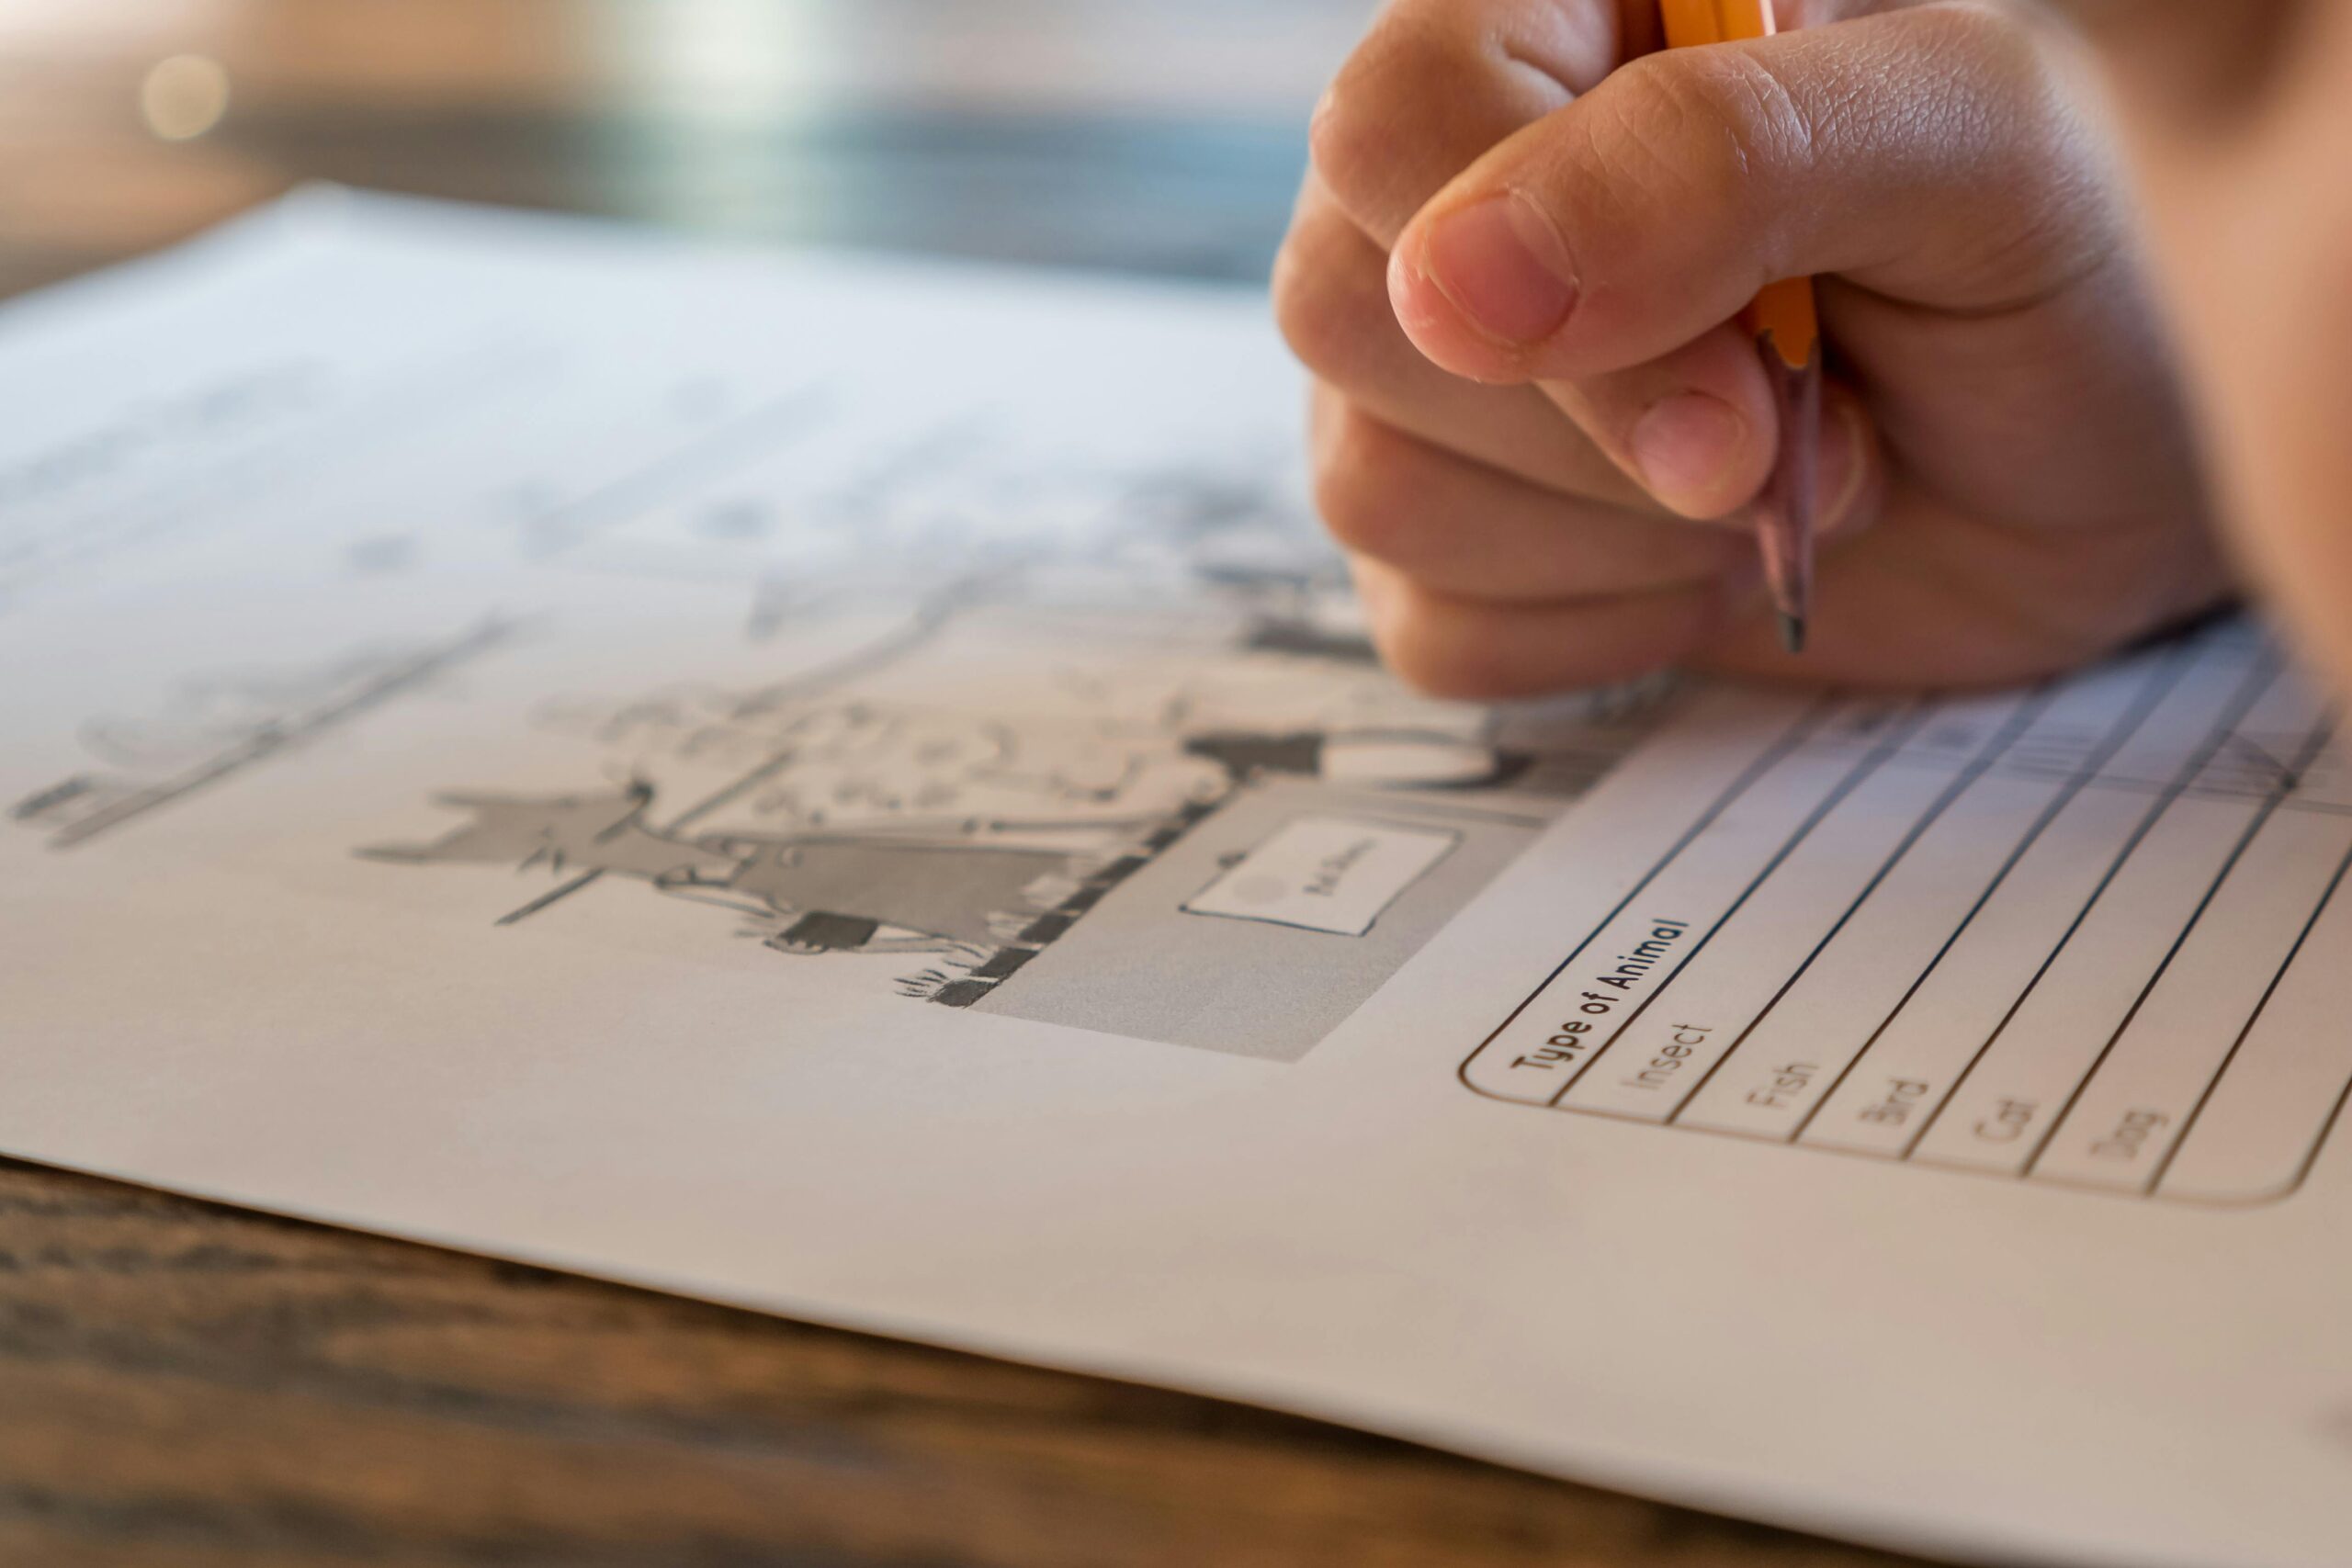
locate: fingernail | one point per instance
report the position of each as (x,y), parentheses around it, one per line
(1503,265)
(1682,447)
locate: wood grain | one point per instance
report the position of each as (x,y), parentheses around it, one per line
(186,1386)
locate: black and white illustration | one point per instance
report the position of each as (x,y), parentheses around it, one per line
(1088,745)
(949,708)
(1151,820)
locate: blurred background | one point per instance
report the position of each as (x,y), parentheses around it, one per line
(1163,137)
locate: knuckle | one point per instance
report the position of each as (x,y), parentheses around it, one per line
(1343,139)
(1993,187)
(1374,104)
(1439,652)
(1358,127)
(2001,83)
(2039,160)
(1425,70)
(1315,306)
(1364,488)
(1716,125)
(1995,35)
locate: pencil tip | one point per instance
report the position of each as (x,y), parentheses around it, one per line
(1793,632)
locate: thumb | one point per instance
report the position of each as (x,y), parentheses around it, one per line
(1932,154)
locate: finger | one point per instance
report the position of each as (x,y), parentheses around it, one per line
(1693,429)
(1476,649)
(1460,528)
(1332,301)
(1331,304)
(1696,428)
(1931,154)
(1436,83)
(1692,432)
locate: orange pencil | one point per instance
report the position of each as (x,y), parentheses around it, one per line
(1788,331)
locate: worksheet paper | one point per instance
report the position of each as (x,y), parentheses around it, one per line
(853,788)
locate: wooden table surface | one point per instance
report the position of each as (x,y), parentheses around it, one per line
(186,1384)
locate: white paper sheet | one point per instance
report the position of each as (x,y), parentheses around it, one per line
(853,788)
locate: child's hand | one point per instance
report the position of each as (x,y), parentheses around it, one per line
(2007,479)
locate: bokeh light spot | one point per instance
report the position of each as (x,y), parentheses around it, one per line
(184,96)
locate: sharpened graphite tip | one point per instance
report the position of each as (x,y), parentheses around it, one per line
(1791,632)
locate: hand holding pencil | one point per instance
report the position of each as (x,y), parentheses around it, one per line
(1786,321)
(1525,271)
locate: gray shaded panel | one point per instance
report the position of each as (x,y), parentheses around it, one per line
(1138,965)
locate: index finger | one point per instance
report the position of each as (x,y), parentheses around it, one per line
(1437,83)
(1937,156)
